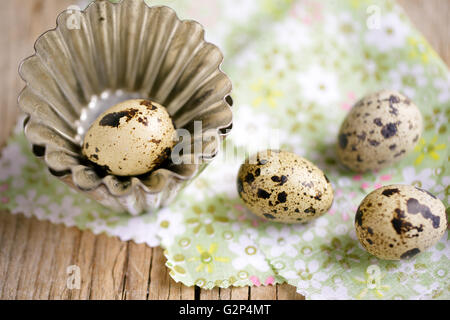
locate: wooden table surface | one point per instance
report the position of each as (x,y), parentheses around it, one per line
(34,255)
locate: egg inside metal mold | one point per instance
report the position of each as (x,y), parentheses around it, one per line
(283,187)
(131,138)
(399,221)
(378,131)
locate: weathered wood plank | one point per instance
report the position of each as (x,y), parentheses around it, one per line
(263,293)
(288,292)
(32,256)
(16,258)
(108,270)
(162,286)
(138,272)
(7,243)
(431,18)
(212,294)
(84,259)
(64,257)
(178,291)
(234,293)
(45,274)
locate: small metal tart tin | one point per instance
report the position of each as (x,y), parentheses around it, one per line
(116,52)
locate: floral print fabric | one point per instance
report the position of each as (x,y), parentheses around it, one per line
(296,66)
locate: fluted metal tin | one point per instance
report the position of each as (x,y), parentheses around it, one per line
(110,53)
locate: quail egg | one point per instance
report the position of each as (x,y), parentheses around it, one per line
(131,138)
(399,221)
(379,130)
(284,187)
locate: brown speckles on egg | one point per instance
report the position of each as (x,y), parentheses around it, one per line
(414,207)
(143,120)
(358,217)
(389,192)
(282,183)
(362,136)
(391,130)
(343,141)
(249,178)
(399,223)
(128,139)
(282,180)
(378,122)
(308,184)
(410,253)
(393,101)
(310,210)
(148,104)
(318,196)
(240,185)
(282,197)
(405,221)
(263,194)
(262,162)
(398,154)
(113,119)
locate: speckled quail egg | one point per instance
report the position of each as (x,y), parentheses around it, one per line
(284,187)
(399,221)
(131,138)
(379,130)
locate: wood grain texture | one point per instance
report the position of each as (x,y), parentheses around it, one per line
(35,255)
(432,18)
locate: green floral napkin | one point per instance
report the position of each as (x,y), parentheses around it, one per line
(296,66)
